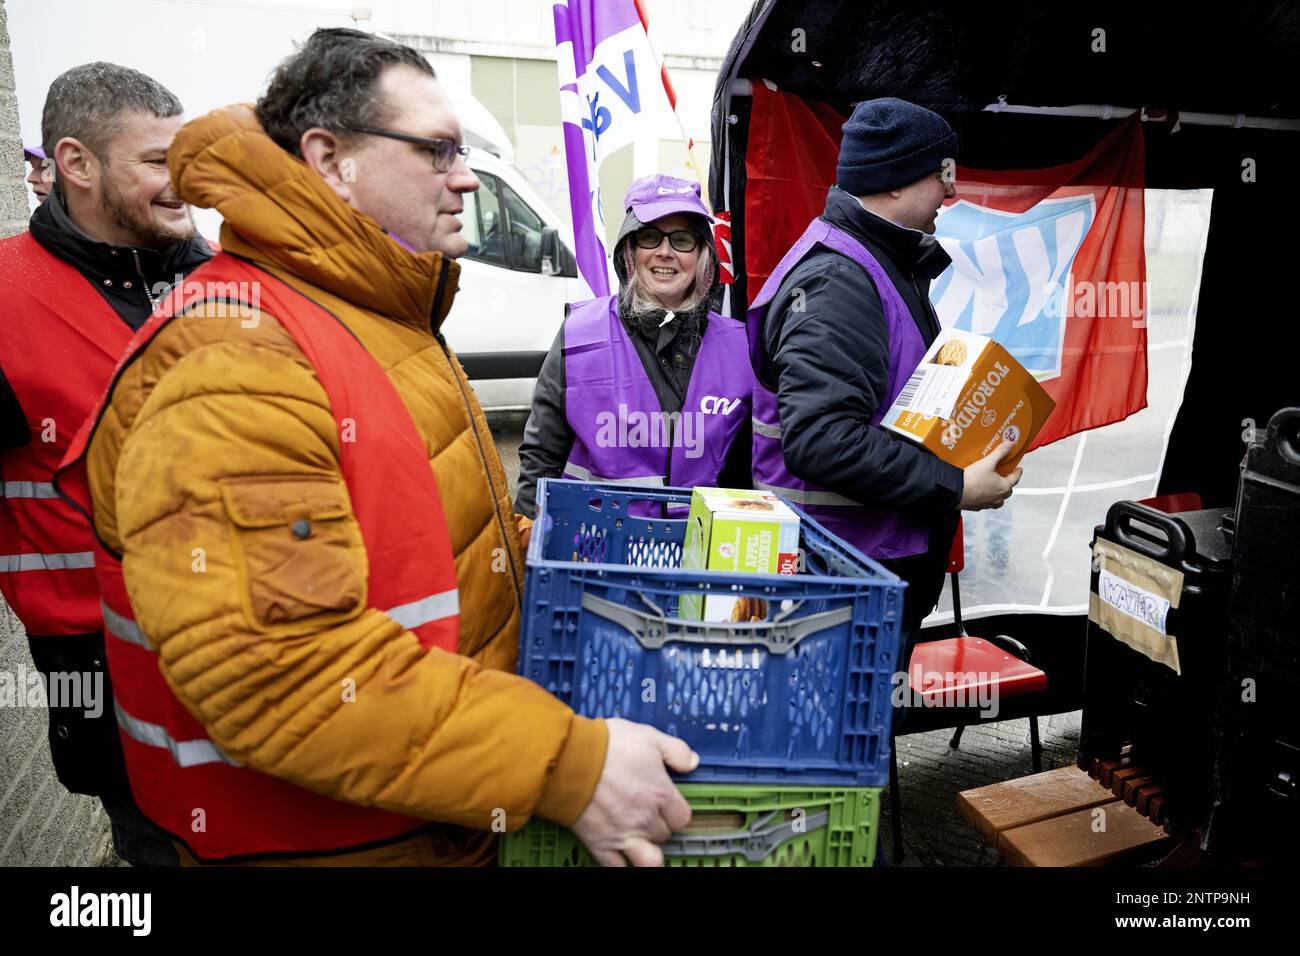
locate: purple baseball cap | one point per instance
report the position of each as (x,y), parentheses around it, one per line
(33,152)
(653,197)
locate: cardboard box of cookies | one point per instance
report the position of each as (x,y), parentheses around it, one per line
(966,393)
(735,530)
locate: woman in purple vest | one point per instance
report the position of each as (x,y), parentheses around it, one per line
(650,386)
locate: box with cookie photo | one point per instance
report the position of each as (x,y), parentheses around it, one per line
(729,529)
(967,394)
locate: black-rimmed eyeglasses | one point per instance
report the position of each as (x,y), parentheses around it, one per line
(444,151)
(683,240)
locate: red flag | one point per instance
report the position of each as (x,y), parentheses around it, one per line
(1090,348)
(793,148)
(1071,306)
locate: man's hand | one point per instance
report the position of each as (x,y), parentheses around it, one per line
(635,806)
(983,486)
(525,526)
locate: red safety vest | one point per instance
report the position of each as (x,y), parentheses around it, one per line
(59,341)
(174,767)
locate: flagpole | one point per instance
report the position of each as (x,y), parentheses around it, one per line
(691,158)
(588,238)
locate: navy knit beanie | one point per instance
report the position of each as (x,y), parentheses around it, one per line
(889,143)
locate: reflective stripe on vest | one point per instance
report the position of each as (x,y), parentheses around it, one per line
(172,762)
(29,489)
(583,474)
(189,753)
(47,562)
(435,607)
(802,496)
(186,753)
(123,627)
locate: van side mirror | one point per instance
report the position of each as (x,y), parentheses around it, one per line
(552,263)
(557,260)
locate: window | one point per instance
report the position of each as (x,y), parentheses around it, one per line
(483,227)
(525,233)
(501,228)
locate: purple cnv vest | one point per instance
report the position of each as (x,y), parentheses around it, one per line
(621,433)
(878,532)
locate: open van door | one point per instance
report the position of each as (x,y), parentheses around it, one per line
(1011,81)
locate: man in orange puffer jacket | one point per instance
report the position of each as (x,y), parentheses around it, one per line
(310,569)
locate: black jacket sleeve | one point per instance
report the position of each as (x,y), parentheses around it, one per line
(828,347)
(14,430)
(548,439)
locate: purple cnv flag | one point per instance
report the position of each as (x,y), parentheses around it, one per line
(609,76)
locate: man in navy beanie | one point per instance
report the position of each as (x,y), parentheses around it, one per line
(838,328)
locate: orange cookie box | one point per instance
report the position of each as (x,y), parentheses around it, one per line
(965,394)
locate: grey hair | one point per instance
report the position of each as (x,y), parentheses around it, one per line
(88,103)
(635,297)
(331,82)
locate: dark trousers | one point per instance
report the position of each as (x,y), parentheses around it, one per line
(924,574)
(87,750)
(136,838)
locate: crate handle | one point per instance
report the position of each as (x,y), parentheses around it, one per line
(653,632)
(756,844)
(657,613)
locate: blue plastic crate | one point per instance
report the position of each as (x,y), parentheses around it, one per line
(799,698)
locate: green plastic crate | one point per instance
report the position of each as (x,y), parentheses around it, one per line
(735,825)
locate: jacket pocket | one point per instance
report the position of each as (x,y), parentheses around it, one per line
(298,549)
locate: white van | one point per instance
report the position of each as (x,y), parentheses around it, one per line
(515,279)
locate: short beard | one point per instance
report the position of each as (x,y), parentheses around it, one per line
(145,234)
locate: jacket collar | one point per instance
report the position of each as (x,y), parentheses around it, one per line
(52,226)
(915,253)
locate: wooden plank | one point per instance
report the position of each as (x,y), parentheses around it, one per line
(1156,809)
(1132,786)
(1119,776)
(1071,840)
(1106,768)
(1144,797)
(996,808)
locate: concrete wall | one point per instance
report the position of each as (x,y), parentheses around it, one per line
(41,824)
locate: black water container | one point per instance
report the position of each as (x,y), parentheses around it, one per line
(1166,722)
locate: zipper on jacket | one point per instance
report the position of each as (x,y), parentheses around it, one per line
(668,459)
(668,463)
(144,283)
(487,469)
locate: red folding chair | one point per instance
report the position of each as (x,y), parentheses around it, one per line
(1000,663)
(1172,504)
